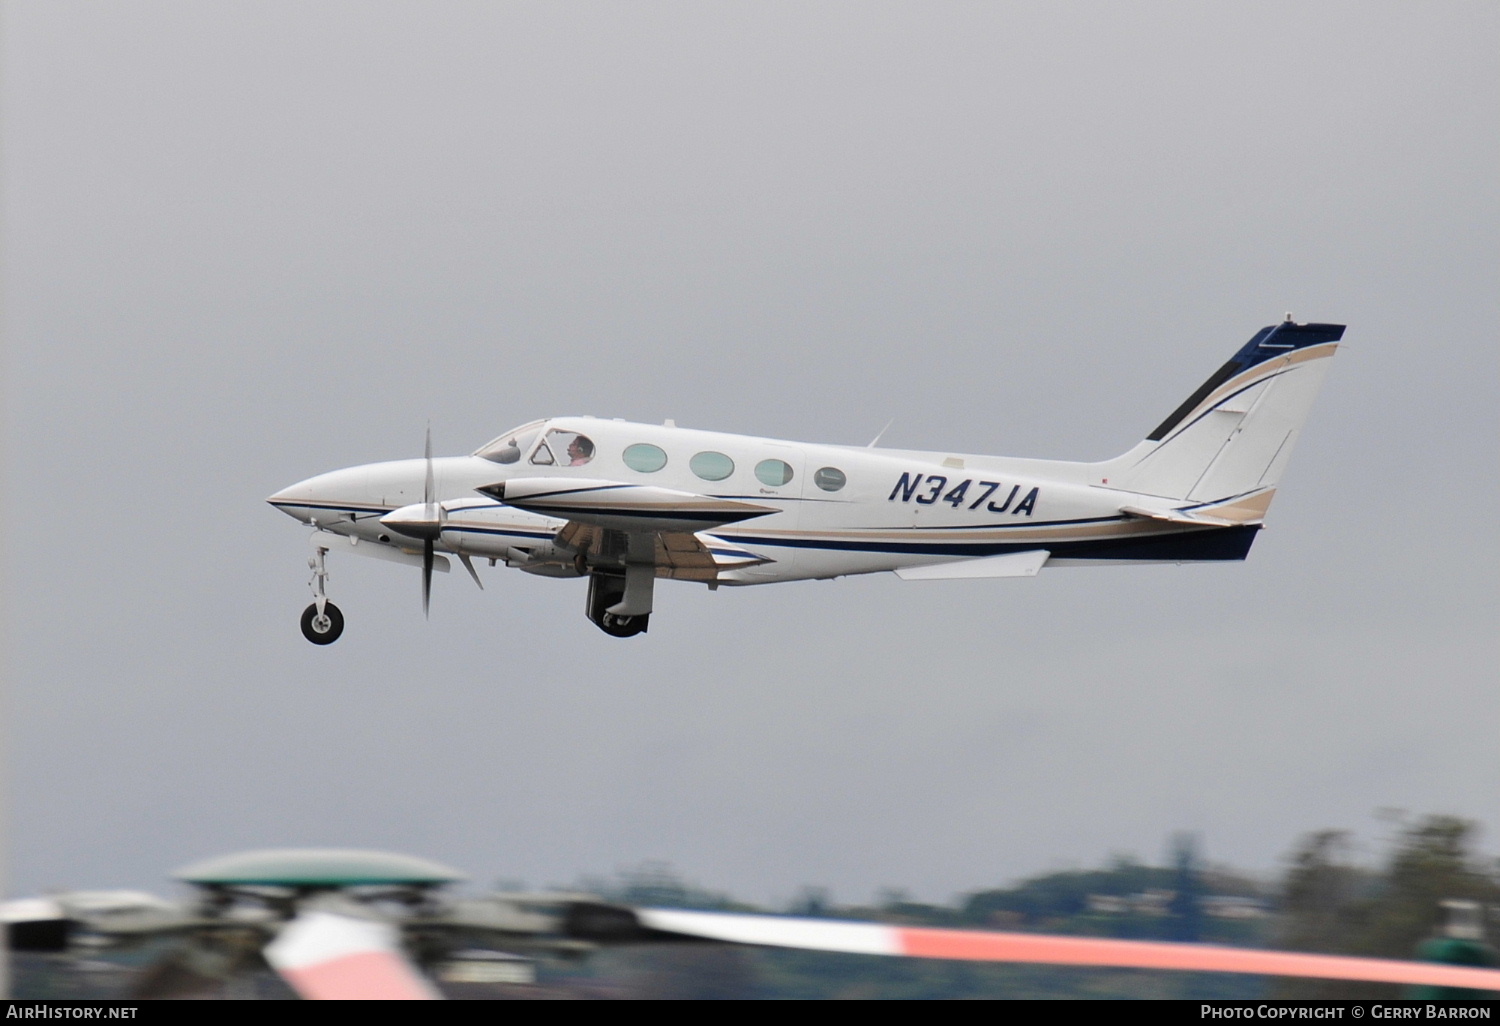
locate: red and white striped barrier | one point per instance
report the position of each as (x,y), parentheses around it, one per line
(984,946)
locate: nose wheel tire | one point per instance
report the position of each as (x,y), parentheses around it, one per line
(325,629)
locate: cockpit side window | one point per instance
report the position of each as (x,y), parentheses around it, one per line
(564,448)
(511,446)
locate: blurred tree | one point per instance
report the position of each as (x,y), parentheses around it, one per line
(1187,885)
(1322,908)
(1061,901)
(1431,863)
(1331,905)
(1322,889)
(813,901)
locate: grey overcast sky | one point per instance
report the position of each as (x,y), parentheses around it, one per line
(248,242)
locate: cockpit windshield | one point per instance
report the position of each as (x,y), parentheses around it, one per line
(511,446)
(564,449)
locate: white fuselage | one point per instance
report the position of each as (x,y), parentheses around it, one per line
(625,504)
(845,510)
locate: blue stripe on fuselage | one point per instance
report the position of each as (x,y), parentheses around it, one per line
(1194,544)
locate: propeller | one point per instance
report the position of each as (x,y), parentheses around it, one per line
(425,522)
(428,540)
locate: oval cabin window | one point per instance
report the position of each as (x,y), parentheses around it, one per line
(830,479)
(773,472)
(711,466)
(645,457)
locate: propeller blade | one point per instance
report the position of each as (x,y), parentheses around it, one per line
(427,454)
(427,558)
(985,946)
(325,956)
(429,528)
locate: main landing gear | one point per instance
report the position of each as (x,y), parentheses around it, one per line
(322,623)
(620,604)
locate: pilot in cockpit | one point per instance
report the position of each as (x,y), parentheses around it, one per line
(577,449)
(580,451)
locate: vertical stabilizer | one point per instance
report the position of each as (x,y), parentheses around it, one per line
(1233,436)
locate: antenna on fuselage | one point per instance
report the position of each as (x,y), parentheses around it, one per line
(881,435)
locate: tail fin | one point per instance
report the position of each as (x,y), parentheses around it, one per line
(1233,436)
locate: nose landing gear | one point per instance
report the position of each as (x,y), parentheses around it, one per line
(322,622)
(322,628)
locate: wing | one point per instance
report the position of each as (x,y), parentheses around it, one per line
(677,554)
(984,946)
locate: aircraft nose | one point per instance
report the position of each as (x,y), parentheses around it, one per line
(292,499)
(289,496)
(320,486)
(338,486)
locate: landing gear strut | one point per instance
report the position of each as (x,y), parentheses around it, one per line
(609,608)
(322,623)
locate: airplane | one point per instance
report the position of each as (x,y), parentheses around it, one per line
(340,924)
(623,504)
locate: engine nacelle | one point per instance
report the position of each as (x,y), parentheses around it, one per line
(623,507)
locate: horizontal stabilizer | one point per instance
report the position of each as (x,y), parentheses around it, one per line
(1235,511)
(1012,564)
(623,507)
(1176,516)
